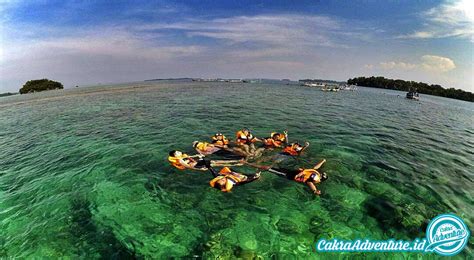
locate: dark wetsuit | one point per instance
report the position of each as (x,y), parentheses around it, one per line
(228,154)
(203,163)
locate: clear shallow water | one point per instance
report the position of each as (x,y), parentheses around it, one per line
(83,172)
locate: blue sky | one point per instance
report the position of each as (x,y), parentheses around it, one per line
(91,42)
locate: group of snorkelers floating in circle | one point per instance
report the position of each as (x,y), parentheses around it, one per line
(238,152)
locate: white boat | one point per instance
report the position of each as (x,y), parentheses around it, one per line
(317,85)
(413,95)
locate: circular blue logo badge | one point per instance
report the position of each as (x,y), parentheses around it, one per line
(447,235)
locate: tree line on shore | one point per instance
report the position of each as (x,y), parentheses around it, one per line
(402,85)
(40,85)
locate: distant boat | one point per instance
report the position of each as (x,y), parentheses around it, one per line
(331,89)
(413,95)
(316,85)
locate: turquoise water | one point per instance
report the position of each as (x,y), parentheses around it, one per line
(83,172)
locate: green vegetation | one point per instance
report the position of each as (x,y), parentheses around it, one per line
(40,85)
(7,94)
(398,84)
(320,80)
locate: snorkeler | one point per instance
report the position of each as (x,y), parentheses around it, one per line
(226,179)
(244,137)
(183,161)
(289,152)
(295,149)
(205,148)
(310,177)
(276,140)
(245,140)
(220,140)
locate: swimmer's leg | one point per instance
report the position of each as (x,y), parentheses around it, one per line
(227,163)
(277,172)
(252,149)
(251,178)
(237,151)
(259,152)
(246,148)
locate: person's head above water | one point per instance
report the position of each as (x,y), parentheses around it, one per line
(322,176)
(175,153)
(297,146)
(277,136)
(220,184)
(219,136)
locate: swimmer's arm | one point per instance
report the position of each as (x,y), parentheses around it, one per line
(185,164)
(313,188)
(261,167)
(305,146)
(199,151)
(188,166)
(319,164)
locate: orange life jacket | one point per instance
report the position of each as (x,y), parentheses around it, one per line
(231,179)
(175,161)
(291,149)
(202,146)
(222,141)
(242,138)
(281,138)
(270,142)
(305,175)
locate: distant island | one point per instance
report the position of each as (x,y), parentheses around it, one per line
(40,85)
(171,79)
(402,85)
(7,94)
(321,81)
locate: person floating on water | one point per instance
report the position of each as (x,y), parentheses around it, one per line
(220,140)
(244,146)
(197,162)
(226,179)
(205,148)
(276,140)
(310,177)
(295,149)
(245,141)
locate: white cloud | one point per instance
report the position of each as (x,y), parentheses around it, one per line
(452,19)
(270,30)
(437,63)
(397,65)
(257,45)
(429,63)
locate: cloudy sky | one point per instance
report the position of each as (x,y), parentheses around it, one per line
(91,42)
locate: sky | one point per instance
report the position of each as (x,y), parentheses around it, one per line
(98,42)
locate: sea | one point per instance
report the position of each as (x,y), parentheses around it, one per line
(84,171)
